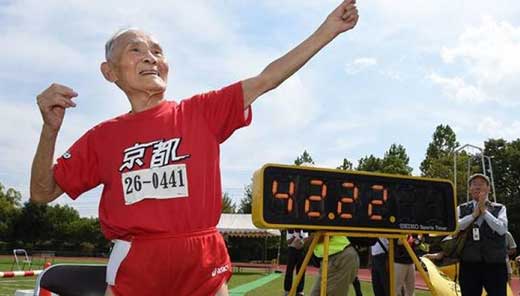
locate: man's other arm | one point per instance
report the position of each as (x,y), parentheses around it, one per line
(342,19)
(52,103)
(44,188)
(498,224)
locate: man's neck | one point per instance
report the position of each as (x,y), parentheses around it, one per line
(144,101)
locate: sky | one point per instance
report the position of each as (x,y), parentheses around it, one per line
(407,67)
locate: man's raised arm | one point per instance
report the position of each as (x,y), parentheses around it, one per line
(342,19)
(52,103)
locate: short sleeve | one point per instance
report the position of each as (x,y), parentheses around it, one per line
(223,110)
(77,170)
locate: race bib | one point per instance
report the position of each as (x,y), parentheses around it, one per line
(159,182)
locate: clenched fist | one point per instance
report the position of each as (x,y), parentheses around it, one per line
(52,102)
(343,18)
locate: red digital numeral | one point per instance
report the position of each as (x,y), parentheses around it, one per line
(289,196)
(377,202)
(315,198)
(347,200)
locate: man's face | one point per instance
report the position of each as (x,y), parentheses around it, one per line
(477,187)
(139,64)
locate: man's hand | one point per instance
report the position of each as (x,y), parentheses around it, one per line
(434,256)
(482,205)
(52,102)
(299,243)
(482,200)
(476,212)
(343,18)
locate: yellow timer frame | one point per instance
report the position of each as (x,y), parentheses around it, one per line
(312,198)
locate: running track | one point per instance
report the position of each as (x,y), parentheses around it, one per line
(364,275)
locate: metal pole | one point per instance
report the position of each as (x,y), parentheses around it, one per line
(490,170)
(469,163)
(467,178)
(483,161)
(391,271)
(455,153)
(325,265)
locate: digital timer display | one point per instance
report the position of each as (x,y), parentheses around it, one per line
(317,198)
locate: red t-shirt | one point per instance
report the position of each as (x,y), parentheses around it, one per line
(160,167)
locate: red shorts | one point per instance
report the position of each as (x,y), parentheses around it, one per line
(192,264)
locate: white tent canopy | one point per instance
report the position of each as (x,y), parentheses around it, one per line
(241,225)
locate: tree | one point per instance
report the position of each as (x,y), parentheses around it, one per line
(438,162)
(396,161)
(50,227)
(228,206)
(84,234)
(9,212)
(59,218)
(304,158)
(442,146)
(32,226)
(11,195)
(506,168)
(370,164)
(346,165)
(246,203)
(506,174)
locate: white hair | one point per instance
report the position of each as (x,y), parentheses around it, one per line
(109,45)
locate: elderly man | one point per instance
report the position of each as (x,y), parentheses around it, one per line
(482,262)
(159,163)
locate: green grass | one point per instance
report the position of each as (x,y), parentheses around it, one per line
(275,287)
(8,286)
(244,277)
(6,262)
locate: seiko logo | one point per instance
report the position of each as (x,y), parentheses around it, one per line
(219,270)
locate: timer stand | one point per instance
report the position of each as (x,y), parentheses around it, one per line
(326,236)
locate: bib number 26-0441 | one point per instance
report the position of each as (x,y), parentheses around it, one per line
(160,183)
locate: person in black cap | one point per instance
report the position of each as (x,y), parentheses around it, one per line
(482,262)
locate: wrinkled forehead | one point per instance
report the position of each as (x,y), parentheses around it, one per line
(134,37)
(123,38)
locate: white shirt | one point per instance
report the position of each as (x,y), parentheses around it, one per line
(298,238)
(376,249)
(510,241)
(499,224)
